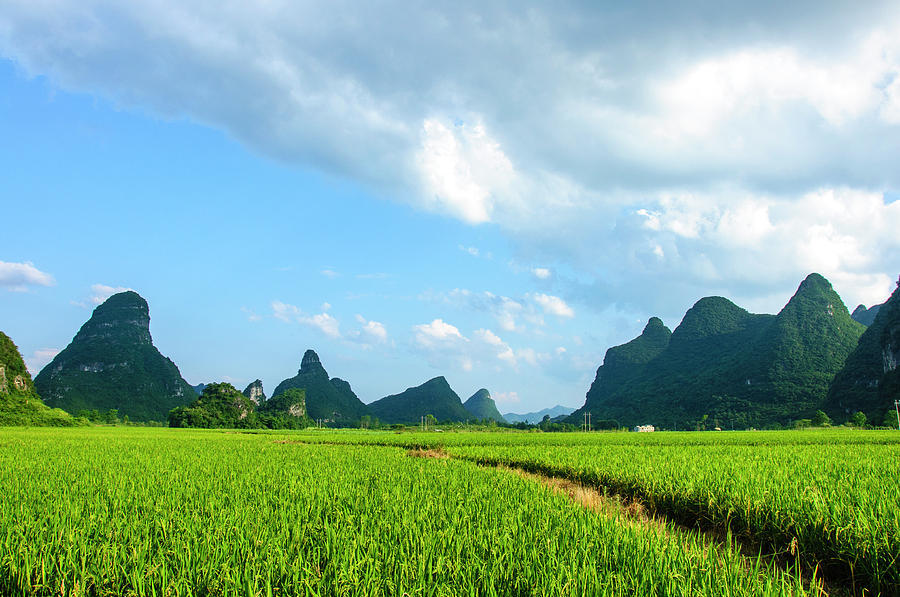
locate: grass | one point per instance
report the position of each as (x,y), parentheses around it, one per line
(130,511)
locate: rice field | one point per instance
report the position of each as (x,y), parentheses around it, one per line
(131,511)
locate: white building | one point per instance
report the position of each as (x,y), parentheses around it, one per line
(644,428)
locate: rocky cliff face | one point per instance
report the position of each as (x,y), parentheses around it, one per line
(112,364)
(328,399)
(255,392)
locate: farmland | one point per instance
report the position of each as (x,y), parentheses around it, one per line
(108,511)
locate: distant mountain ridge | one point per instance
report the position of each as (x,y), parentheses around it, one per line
(733,366)
(434,397)
(866,316)
(481,406)
(327,399)
(538,416)
(112,363)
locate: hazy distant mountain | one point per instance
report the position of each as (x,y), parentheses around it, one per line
(738,368)
(481,406)
(865,316)
(199,388)
(434,397)
(329,399)
(19,402)
(870,381)
(538,416)
(112,364)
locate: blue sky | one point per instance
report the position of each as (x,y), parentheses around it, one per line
(496,195)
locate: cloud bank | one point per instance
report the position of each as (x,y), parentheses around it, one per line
(688,147)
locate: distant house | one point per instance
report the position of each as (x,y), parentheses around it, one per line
(644,428)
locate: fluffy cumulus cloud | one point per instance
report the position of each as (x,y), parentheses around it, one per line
(709,152)
(511,315)
(553,305)
(445,346)
(506,397)
(436,333)
(324,322)
(17,277)
(370,332)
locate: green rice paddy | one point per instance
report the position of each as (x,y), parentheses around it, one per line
(134,511)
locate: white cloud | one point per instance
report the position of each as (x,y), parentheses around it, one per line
(323,322)
(430,334)
(101,292)
(39,358)
(497,347)
(473,251)
(284,311)
(553,305)
(17,277)
(463,170)
(541,273)
(581,146)
(330,273)
(506,311)
(506,397)
(372,330)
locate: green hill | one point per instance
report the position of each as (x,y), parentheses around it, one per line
(734,367)
(481,406)
(112,364)
(869,381)
(434,397)
(291,402)
(220,406)
(19,402)
(328,399)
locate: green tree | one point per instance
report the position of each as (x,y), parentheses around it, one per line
(858,419)
(820,419)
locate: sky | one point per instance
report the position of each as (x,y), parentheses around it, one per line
(496,193)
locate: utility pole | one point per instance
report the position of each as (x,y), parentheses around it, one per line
(897,407)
